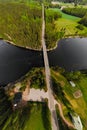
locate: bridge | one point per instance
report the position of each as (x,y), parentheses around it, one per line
(51,104)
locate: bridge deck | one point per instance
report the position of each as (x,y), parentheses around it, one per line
(51,104)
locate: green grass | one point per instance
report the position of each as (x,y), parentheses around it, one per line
(35,121)
(69,23)
(83,85)
(30,117)
(78,105)
(66,16)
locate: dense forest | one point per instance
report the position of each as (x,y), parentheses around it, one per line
(21,24)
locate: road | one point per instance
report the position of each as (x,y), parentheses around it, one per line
(51,103)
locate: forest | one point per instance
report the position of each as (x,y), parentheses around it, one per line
(21,24)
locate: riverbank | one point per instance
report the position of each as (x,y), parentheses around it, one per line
(25,47)
(32,49)
(50,49)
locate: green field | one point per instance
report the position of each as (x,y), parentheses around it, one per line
(66,16)
(35,121)
(78,105)
(69,24)
(31,117)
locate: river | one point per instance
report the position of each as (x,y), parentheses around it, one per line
(71,54)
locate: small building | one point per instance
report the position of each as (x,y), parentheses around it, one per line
(77,122)
(72,83)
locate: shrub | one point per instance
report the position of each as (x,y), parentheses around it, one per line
(80,27)
(84,20)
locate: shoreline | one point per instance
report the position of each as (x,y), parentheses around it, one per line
(33,49)
(24,47)
(29,48)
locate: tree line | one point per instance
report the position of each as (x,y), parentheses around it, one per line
(79,12)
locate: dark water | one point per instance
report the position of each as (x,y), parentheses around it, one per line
(15,62)
(70,54)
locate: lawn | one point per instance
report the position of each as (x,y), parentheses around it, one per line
(69,23)
(35,121)
(34,116)
(78,105)
(66,16)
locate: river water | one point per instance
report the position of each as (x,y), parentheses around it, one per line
(71,54)
(15,62)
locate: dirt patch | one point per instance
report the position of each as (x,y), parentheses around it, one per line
(77,94)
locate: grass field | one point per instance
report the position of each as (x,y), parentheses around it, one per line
(30,117)
(35,121)
(78,105)
(66,16)
(69,23)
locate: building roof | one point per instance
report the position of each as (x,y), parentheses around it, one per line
(72,84)
(77,122)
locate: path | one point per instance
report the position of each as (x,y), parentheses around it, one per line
(62,116)
(51,103)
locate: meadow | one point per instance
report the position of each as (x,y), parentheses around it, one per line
(65,93)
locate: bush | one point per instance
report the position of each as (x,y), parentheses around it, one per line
(80,27)
(52,15)
(84,20)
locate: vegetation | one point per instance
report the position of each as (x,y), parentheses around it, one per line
(35,78)
(68,25)
(84,20)
(59,92)
(65,91)
(72,75)
(46,117)
(79,12)
(37,119)
(62,125)
(5,108)
(21,24)
(51,35)
(80,27)
(28,116)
